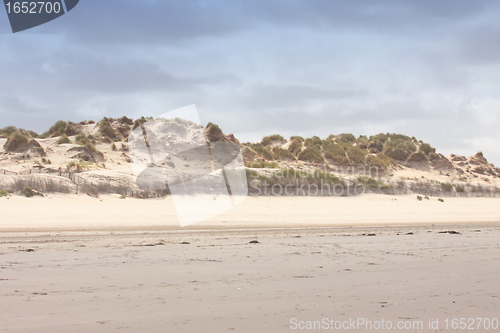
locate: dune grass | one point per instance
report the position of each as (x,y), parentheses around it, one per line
(63,139)
(59,128)
(334,152)
(282,154)
(356,155)
(311,154)
(15,140)
(379,160)
(418,157)
(105,128)
(295,147)
(267,140)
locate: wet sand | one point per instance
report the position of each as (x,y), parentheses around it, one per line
(217,281)
(79,264)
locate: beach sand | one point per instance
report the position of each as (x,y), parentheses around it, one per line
(109,213)
(78,264)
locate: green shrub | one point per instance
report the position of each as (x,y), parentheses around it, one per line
(28,192)
(460,189)
(384,187)
(267,140)
(14,141)
(261,150)
(380,161)
(7,131)
(417,157)
(373,183)
(28,133)
(311,154)
(251,173)
(126,121)
(59,128)
(397,154)
(106,129)
(397,143)
(281,154)
(402,137)
(63,139)
(4,194)
(139,122)
(266,179)
(334,152)
(375,146)
(213,133)
(298,138)
(90,147)
(314,141)
(427,148)
(356,155)
(447,187)
(441,200)
(346,138)
(380,137)
(419,198)
(267,154)
(325,176)
(295,147)
(83,140)
(362,142)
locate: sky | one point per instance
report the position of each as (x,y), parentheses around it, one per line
(429,69)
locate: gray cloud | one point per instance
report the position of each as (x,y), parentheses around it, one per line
(423,68)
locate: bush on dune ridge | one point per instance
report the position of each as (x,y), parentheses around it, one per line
(380,161)
(311,154)
(14,141)
(28,133)
(334,152)
(7,131)
(262,151)
(314,141)
(295,147)
(59,128)
(298,138)
(282,154)
(346,138)
(63,139)
(106,129)
(417,157)
(356,155)
(267,140)
(427,148)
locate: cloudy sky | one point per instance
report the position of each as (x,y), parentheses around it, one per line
(429,69)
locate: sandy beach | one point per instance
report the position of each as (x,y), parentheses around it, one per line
(109,213)
(79,264)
